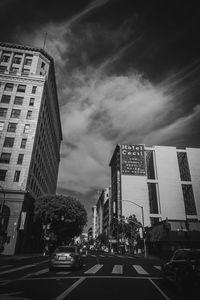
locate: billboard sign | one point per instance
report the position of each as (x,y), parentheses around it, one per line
(133,160)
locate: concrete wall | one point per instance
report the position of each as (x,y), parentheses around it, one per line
(170,191)
(134,188)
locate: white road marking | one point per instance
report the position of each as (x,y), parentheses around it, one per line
(71,288)
(22,268)
(16,269)
(63,272)
(118,269)
(140,270)
(102,255)
(158,267)
(94,269)
(5,266)
(162,293)
(93,255)
(41,272)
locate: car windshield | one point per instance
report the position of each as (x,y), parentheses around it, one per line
(65,249)
(187,254)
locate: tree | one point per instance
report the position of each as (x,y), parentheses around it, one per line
(64,215)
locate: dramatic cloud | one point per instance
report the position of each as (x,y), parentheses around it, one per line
(114,88)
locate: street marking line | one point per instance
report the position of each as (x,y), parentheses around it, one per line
(102,255)
(71,288)
(140,270)
(118,269)
(41,272)
(92,276)
(64,272)
(5,266)
(93,255)
(94,269)
(157,287)
(16,269)
(158,267)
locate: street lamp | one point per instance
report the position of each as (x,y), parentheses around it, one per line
(145,250)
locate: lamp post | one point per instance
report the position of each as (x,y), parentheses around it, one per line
(145,250)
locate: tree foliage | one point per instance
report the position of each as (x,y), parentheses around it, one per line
(65,214)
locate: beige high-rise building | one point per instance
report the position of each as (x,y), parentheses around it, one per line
(30,138)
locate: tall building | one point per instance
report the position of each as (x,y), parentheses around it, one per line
(30,138)
(94,221)
(103,212)
(156,183)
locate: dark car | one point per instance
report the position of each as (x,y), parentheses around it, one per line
(66,257)
(183,269)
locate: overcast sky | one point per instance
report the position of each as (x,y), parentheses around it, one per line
(127,71)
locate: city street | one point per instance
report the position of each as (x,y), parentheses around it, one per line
(103,276)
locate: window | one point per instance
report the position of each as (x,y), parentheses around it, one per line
(26,128)
(17,60)
(5,158)
(9,87)
(153,200)
(18,100)
(9,142)
(25,72)
(3,175)
(23,143)
(12,127)
(150,164)
(3,112)
(28,61)
(190,207)
(183,166)
(32,100)
(1,125)
(21,88)
(16,176)
(29,114)
(20,159)
(5,58)
(42,65)
(34,88)
(5,99)
(14,70)
(15,113)
(3,69)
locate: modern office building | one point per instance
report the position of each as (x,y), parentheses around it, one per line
(156,183)
(30,137)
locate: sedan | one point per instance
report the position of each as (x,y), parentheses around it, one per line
(183,270)
(66,257)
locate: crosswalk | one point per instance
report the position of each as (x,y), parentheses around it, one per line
(96,269)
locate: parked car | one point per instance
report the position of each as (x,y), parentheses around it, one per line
(183,269)
(65,257)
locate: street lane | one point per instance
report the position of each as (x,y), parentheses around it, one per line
(127,274)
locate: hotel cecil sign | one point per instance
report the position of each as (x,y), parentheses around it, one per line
(133,160)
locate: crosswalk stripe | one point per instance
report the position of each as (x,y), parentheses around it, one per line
(93,255)
(102,255)
(118,269)
(158,267)
(140,270)
(94,269)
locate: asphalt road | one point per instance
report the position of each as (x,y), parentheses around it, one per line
(103,276)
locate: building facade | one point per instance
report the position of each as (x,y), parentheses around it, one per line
(94,221)
(155,183)
(30,137)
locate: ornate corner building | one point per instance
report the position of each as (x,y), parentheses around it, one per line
(30,138)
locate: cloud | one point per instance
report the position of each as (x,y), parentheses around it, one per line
(100,108)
